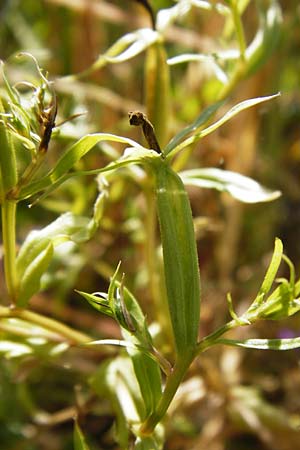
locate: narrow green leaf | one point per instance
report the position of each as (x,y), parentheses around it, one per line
(80,148)
(79,439)
(157,90)
(125,48)
(273,268)
(66,227)
(266,38)
(30,282)
(238,186)
(166,17)
(236,110)
(179,257)
(229,115)
(98,302)
(59,174)
(115,380)
(141,40)
(263,344)
(200,120)
(8,163)
(32,247)
(134,329)
(120,304)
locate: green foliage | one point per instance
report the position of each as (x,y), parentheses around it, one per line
(180,260)
(153,312)
(79,440)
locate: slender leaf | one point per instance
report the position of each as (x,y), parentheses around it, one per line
(200,120)
(238,186)
(179,257)
(30,282)
(273,268)
(143,39)
(229,115)
(59,174)
(79,439)
(266,38)
(157,90)
(8,163)
(263,344)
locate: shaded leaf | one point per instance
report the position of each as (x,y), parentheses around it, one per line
(79,439)
(31,278)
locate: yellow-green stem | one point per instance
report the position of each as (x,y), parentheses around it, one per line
(210,340)
(239,29)
(173,381)
(73,336)
(8,213)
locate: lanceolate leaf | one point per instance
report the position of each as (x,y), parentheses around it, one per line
(59,173)
(263,344)
(273,268)
(125,48)
(239,186)
(179,257)
(227,116)
(157,90)
(79,440)
(30,282)
(201,120)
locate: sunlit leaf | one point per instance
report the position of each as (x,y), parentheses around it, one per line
(181,270)
(59,173)
(227,116)
(166,17)
(143,38)
(273,268)
(200,120)
(263,344)
(238,186)
(12,349)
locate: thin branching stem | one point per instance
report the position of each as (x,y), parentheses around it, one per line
(172,384)
(8,213)
(72,336)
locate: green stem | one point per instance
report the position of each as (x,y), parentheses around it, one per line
(209,340)
(73,336)
(239,29)
(172,384)
(241,66)
(237,75)
(8,212)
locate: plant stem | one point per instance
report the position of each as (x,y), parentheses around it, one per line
(173,381)
(209,340)
(8,213)
(239,29)
(73,336)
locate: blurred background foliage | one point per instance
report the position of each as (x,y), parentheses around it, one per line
(234,399)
